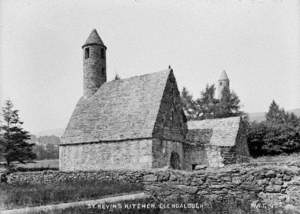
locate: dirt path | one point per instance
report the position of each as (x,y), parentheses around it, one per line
(45,208)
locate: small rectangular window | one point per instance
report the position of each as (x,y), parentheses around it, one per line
(102,53)
(87,53)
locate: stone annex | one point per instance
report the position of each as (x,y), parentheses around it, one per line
(138,123)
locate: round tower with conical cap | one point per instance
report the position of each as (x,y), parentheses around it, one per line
(94,64)
(223,82)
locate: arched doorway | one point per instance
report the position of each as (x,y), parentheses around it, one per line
(175,160)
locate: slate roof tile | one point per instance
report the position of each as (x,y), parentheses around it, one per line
(224,130)
(119,110)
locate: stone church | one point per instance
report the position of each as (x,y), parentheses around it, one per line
(138,123)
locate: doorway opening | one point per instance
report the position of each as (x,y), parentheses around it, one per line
(175,160)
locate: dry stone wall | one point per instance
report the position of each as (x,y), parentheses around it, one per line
(274,184)
(194,155)
(46,177)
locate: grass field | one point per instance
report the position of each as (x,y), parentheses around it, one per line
(53,164)
(17,196)
(36,165)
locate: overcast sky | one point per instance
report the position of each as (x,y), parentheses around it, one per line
(256,42)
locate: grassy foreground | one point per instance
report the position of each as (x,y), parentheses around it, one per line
(40,164)
(17,196)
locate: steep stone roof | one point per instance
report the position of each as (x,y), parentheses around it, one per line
(198,136)
(223,76)
(93,39)
(119,110)
(224,131)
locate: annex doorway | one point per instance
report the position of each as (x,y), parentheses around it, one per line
(175,160)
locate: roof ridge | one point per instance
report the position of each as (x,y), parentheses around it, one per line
(143,75)
(223,118)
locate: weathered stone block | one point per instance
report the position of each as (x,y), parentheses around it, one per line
(150,178)
(236,180)
(262,182)
(287,177)
(163,176)
(188,189)
(173,177)
(273,189)
(277,181)
(197,181)
(220,186)
(200,167)
(270,174)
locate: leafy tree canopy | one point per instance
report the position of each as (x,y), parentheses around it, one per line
(279,133)
(275,114)
(208,107)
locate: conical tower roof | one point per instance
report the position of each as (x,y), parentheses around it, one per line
(94,39)
(223,76)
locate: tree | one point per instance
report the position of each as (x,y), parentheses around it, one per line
(207,104)
(255,137)
(279,133)
(275,114)
(208,107)
(228,105)
(292,119)
(188,104)
(14,146)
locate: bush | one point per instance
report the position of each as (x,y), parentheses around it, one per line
(273,139)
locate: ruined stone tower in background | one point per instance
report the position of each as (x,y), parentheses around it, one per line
(223,82)
(94,64)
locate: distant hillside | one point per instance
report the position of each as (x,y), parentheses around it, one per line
(57,132)
(260,116)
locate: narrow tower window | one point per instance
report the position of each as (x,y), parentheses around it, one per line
(87,53)
(102,53)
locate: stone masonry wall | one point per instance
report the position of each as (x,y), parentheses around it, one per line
(171,122)
(194,155)
(274,184)
(135,154)
(228,154)
(94,70)
(162,150)
(46,177)
(241,147)
(214,156)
